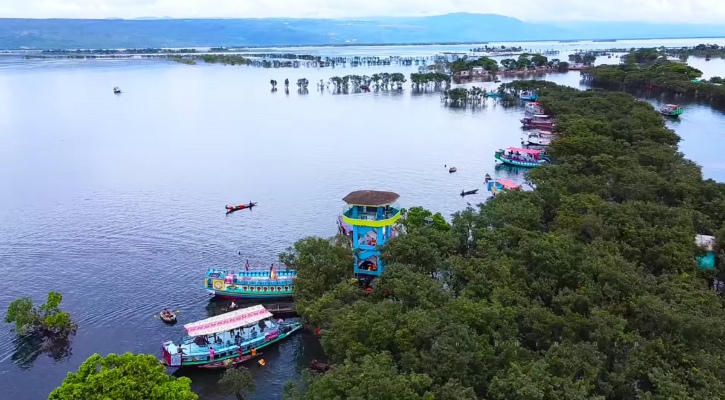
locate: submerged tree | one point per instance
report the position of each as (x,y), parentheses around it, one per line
(46,319)
(238,381)
(127,376)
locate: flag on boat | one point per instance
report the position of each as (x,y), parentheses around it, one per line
(247,266)
(272,272)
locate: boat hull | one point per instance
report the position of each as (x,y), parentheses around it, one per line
(519,163)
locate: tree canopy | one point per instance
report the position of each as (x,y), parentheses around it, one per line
(128,376)
(649,68)
(586,287)
(47,319)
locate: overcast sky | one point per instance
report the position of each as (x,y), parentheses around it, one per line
(530,10)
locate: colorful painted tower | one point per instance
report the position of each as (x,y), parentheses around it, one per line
(371,214)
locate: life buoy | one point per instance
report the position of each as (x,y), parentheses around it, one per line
(218,285)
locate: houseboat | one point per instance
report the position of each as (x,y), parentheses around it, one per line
(521,157)
(251,284)
(533,108)
(671,110)
(528,96)
(501,185)
(539,121)
(226,339)
(539,138)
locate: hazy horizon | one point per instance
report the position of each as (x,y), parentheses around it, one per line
(553,11)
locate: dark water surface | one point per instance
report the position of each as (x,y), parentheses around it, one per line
(117,201)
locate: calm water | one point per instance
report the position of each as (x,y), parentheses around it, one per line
(117,201)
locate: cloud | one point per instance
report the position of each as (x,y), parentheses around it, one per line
(693,11)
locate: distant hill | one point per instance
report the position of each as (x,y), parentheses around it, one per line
(460,27)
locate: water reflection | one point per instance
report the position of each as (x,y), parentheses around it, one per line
(31,346)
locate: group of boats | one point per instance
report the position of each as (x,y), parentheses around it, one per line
(539,132)
(236,336)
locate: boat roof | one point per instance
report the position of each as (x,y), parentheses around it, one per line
(671,105)
(508,184)
(542,116)
(526,151)
(227,321)
(706,241)
(371,198)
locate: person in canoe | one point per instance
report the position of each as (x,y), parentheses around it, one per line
(167,316)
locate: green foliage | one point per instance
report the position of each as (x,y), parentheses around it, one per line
(238,381)
(415,218)
(320,265)
(640,69)
(46,319)
(585,288)
(128,376)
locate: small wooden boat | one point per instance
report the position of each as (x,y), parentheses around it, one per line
(116,90)
(452,169)
(488,178)
(466,193)
(671,110)
(231,209)
(168,317)
(319,367)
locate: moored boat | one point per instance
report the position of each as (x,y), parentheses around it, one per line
(226,339)
(467,192)
(452,169)
(528,96)
(251,284)
(521,157)
(539,138)
(671,110)
(533,108)
(539,121)
(500,185)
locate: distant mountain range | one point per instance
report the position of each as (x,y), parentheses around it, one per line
(460,27)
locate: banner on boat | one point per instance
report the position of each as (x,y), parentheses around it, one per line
(228,321)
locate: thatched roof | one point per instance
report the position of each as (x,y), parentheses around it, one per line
(371,198)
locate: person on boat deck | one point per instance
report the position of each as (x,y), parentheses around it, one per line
(233,305)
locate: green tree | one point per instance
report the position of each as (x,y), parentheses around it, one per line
(238,381)
(128,376)
(46,319)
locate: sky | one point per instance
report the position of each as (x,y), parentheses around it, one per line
(693,11)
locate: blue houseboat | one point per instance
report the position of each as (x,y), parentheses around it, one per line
(254,284)
(226,339)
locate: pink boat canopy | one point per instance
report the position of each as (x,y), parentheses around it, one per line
(508,184)
(227,321)
(525,151)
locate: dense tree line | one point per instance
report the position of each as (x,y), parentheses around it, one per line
(646,68)
(524,62)
(585,288)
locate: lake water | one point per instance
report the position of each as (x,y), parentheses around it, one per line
(117,201)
